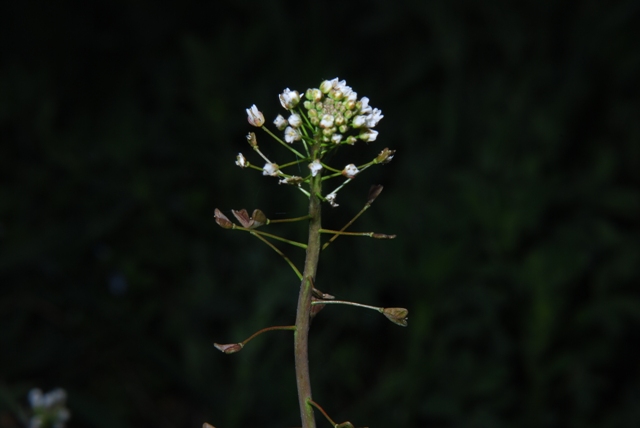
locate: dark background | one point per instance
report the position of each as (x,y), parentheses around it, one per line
(514,194)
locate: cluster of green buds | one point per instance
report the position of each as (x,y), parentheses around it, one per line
(331,115)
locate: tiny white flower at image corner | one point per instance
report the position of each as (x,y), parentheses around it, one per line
(35,398)
(315,167)
(241,161)
(270,169)
(331,198)
(295,120)
(255,116)
(280,122)
(292,134)
(289,99)
(350,171)
(369,135)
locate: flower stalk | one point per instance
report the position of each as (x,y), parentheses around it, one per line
(318,122)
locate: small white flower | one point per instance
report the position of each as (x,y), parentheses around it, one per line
(336,138)
(241,161)
(341,85)
(48,407)
(289,99)
(315,167)
(374,118)
(270,169)
(365,107)
(35,398)
(369,135)
(350,171)
(280,122)
(331,198)
(327,121)
(291,134)
(255,116)
(295,120)
(359,121)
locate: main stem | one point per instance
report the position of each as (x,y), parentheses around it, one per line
(301,335)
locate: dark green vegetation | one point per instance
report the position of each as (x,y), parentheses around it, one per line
(514,194)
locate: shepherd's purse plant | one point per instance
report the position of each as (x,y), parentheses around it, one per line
(318,123)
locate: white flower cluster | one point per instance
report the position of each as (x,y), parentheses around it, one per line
(331,114)
(334,108)
(48,409)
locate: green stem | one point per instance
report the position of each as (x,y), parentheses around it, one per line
(340,232)
(264,330)
(288,220)
(303,315)
(277,250)
(288,146)
(269,235)
(319,407)
(334,237)
(346,302)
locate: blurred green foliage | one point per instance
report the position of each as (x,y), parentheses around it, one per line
(514,194)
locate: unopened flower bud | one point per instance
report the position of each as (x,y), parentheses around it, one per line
(359,121)
(252,139)
(350,171)
(336,138)
(369,135)
(326,86)
(396,315)
(230,348)
(385,156)
(222,220)
(327,121)
(255,116)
